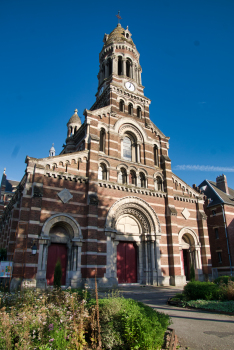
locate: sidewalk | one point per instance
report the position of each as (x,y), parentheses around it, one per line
(196,330)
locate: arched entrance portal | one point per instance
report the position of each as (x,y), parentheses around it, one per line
(57,251)
(133,233)
(190,252)
(61,239)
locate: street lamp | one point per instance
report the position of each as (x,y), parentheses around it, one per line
(34,248)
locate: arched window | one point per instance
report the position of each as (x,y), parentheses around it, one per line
(138,112)
(120,72)
(103,70)
(143,180)
(121,106)
(110,66)
(102,140)
(159,184)
(132,177)
(156,155)
(75,129)
(127,148)
(128,68)
(102,172)
(130,109)
(123,176)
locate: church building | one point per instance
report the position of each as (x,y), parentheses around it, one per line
(109,203)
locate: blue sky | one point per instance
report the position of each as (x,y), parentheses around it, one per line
(49,66)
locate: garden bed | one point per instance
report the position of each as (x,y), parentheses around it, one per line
(71,319)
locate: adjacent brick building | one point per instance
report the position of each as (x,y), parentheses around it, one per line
(220,219)
(109,203)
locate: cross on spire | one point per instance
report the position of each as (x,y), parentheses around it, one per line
(118,16)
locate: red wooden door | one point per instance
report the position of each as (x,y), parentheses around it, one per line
(56,252)
(126,262)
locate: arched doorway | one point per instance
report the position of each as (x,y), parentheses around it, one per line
(60,239)
(190,254)
(127,250)
(57,252)
(133,232)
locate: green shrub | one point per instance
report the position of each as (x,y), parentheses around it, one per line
(201,290)
(128,324)
(58,274)
(223,279)
(192,273)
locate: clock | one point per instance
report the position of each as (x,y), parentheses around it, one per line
(101,91)
(130,86)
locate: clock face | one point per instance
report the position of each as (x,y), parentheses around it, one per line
(130,86)
(101,91)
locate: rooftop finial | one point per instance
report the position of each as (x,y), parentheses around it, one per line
(4,172)
(76,111)
(52,151)
(119,18)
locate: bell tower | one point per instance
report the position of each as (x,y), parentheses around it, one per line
(119,76)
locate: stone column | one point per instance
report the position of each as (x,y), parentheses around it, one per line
(44,259)
(121,147)
(140,262)
(153,268)
(146,261)
(114,271)
(128,173)
(74,258)
(138,153)
(114,64)
(110,255)
(139,76)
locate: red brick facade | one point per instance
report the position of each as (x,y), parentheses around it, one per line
(119,187)
(219,209)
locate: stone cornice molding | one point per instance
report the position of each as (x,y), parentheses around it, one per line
(185,185)
(66,176)
(131,189)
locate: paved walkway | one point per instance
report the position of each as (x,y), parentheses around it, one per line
(197,330)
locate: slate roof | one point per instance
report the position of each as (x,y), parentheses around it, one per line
(218,196)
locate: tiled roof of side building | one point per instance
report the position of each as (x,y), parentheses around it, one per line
(228,199)
(10,184)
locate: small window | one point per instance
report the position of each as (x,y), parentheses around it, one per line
(138,112)
(120,65)
(121,106)
(110,66)
(143,180)
(102,172)
(132,177)
(216,233)
(220,257)
(155,155)
(213,212)
(128,68)
(123,176)
(102,140)
(159,186)
(130,109)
